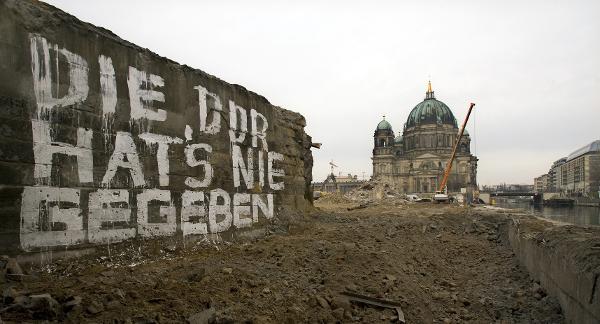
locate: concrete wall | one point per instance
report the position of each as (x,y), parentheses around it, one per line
(485,197)
(566,261)
(103,141)
(550,195)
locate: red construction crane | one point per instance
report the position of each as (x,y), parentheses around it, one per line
(441,194)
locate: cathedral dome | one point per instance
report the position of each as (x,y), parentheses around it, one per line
(430,111)
(384,125)
(398,139)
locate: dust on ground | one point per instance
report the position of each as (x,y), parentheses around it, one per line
(442,263)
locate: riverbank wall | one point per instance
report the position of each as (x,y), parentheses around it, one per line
(565,259)
(587,202)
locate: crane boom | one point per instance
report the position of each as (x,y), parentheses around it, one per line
(333,165)
(449,164)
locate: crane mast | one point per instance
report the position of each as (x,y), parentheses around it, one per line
(440,194)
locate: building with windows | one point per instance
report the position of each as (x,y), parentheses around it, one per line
(554,175)
(540,184)
(578,174)
(338,183)
(414,161)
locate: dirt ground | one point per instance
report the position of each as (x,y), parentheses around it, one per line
(442,263)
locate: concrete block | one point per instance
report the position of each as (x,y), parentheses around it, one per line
(114,116)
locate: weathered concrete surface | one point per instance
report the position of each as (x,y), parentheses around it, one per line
(485,197)
(566,261)
(103,141)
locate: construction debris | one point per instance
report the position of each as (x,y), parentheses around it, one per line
(413,254)
(362,299)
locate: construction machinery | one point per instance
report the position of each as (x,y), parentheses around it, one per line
(333,165)
(442,194)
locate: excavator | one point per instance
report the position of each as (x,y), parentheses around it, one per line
(441,195)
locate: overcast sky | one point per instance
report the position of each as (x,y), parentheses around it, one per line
(532,68)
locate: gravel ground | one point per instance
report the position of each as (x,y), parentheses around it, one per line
(442,263)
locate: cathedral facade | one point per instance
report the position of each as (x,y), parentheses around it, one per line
(414,161)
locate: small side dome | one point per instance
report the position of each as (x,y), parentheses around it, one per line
(384,125)
(398,139)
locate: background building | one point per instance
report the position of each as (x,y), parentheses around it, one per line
(576,175)
(554,175)
(338,183)
(414,162)
(580,174)
(540,184)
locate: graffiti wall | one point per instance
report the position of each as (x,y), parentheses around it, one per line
(102,141)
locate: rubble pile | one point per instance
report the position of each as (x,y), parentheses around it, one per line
(17,299)
(437,263)
(376,192)
(334,198)
(369,194)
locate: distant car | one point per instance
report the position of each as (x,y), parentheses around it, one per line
(414,198)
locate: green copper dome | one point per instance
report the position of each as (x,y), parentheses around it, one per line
(430,111)
(398,139)
(384,125)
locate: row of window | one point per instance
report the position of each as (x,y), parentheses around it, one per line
(433,141)
(425,141)
(572,171)
(429,165)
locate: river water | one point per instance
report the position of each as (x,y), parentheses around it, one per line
(579,215)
